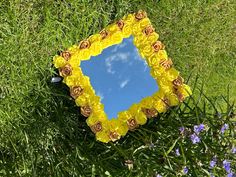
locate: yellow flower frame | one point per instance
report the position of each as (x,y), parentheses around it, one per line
(171,92)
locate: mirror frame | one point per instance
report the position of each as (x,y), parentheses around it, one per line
(172,89)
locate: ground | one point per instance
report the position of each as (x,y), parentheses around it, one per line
(39,122)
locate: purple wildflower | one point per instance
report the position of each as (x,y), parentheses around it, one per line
(177,152)
(181,129)
(185,170)
(158,175)
(233,150)
(231,174)
(224,127)
(226,165)
(195,139)
(199,128)
(212,163)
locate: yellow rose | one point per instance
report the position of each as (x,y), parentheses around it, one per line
(135,111)
(95,48)
(185,90)
(173,100)
(152,37)
(146,51)
(172,74)
(146,102)
(123,116)
(126,31)
(160,106)
(74,61)
(118,126)
(157,72)
(101,116)
(129,19)
(74,49)
(162,54)
(103,136)
(59,61)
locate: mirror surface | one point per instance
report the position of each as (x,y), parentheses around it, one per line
(120,77)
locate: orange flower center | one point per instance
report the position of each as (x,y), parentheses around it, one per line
(152,112)
(132,123)
(114,136)
(66,70)
(180,96)
(149,30)
(177,82)
(66,55)
(158,46)
(166,101)
(76,91)
(84,44)
(104,33)
(97,127)
(167,64)
(120,24)
(140,15)
(86,111)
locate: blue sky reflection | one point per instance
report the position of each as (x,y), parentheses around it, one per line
(120,77)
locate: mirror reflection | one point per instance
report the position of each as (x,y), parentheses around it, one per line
(120,77)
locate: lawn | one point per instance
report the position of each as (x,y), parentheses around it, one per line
(41,130)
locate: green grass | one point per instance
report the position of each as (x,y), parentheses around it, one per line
(41,130)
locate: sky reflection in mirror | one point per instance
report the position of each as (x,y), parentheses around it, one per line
(120,77)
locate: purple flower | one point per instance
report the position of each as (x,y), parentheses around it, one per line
(181,129)
(158,175)
(224,127)
(195,139)
(231,174)
(226,165)
(233,150)
(199,128)
(177,152)
(212,163)
(185,170)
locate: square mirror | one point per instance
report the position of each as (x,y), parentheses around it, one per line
(121,77)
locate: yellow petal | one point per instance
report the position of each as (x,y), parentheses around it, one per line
(162,54)
(146,51)
(96,48)
(126,31)
(146,102)
(74,61)
(123,128)
(102,117)
(129,19)
(94,38)
(103,136)
(58,61)
(74,49)
(173,100)
(172,74)
(160,106)
(141,118)
(152,38)
(123,116)
(185,90)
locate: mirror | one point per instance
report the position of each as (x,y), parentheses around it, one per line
(120,77)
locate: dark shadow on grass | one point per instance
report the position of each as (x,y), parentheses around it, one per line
(57,131)
(58,142)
